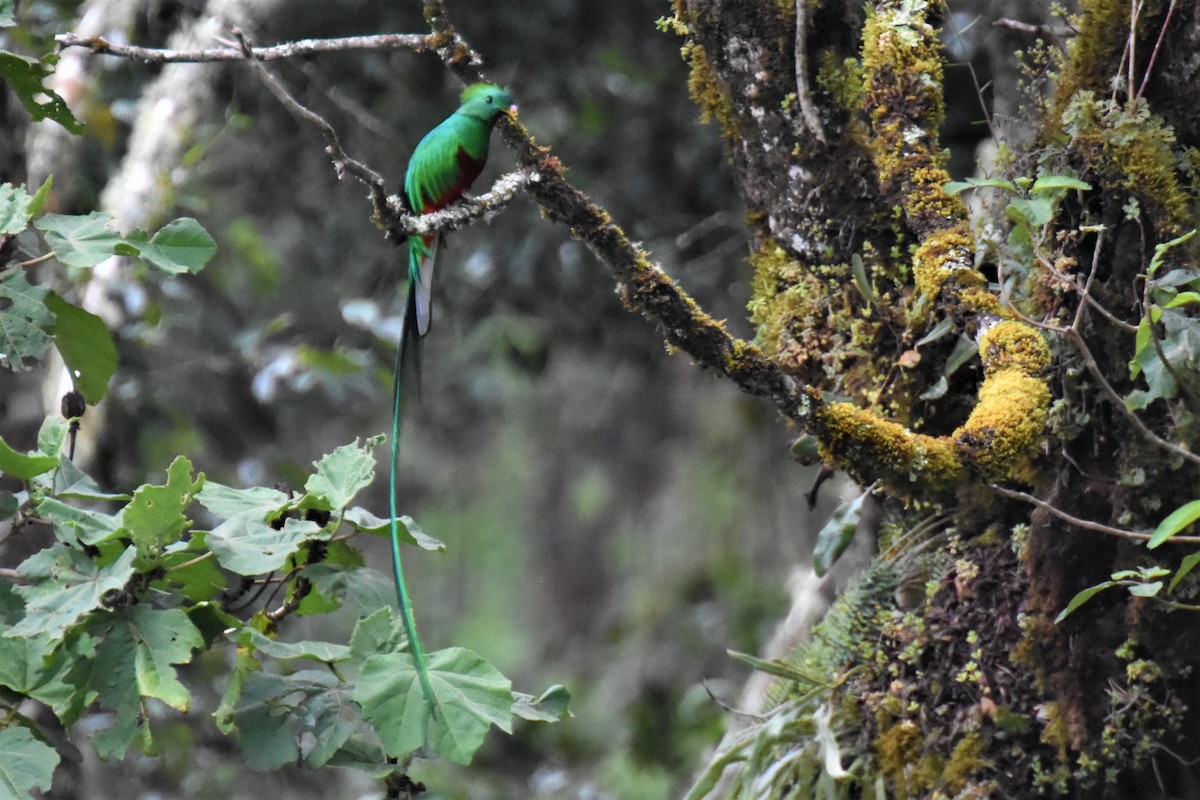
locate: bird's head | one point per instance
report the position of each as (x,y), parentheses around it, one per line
(487,102)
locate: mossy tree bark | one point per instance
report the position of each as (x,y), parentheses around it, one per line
(1052,461)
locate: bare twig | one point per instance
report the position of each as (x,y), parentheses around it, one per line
(148,55)
(1037,30)
(1154,54)
(808,111)
(1085,523)
(342,162)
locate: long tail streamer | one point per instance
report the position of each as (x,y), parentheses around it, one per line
(407,339)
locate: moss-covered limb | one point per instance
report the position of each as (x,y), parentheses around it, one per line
(996,442)
(902,82)
(400,222)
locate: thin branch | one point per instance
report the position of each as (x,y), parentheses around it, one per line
(342,162)
(401,222)
(390,41)
(808,112)
(1037,30)
(1154,54)
(1085,523)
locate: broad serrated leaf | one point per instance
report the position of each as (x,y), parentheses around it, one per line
(25,76)
(23,466)
(90,527)
(471,696)
(248,546)
(366,588)
(72,482)
(52,437)
(326,652)
(25,763)
(180,246)
(86,347)
(377,633)
(154,517)
(341,475)
(227,502)
(275,710)
(15,211)
(64,585)
(163,638)
(410,533)
(79,241)
(190,572)
(25,322)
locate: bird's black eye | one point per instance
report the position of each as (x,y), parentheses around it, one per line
(489,100)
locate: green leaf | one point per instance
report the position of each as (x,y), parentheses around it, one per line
(155,516)
(1182,299)
(1056,182)
(163,638)
(136,658)
(79,241)
(248,546)
(179,246)
(15,211)
(1187,565)
(90,527)
(1145,589)
(471,696)
(325,652)
(380,632)
(24,467)
(64,586)
(25,76)
(86,347)
(9,505)
(25,763)
(1176,521)
(366,588)
(25,322)
(550,706)
(955,187)
(1161,250)
(410,533)
(1082,598)
(342,474)
(227,502)
(72,482)
(200,579)
(52,437)
(837,534)
(1035,211)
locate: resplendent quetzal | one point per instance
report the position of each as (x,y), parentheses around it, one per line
(442,166)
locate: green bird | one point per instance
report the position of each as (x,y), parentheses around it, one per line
(441,168)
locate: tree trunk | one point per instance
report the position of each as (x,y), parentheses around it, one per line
(1013,484)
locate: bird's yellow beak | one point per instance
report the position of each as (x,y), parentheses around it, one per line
(511,110)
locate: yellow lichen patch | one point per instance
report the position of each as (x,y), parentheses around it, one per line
(941,257)
(1014,345)
(865,444)
(1001,435)
(981,301)
(706,91)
